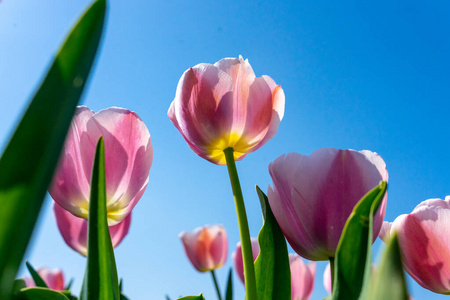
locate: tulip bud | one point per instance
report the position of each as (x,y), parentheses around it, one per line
(53,278)
(206,247)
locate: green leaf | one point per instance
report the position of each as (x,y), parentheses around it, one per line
(272,270)
(199,297)
(229,290)
(354,252)
(69,285)
(38,281)
(39,293)
(101,281)
(29,160)
(390,279)
(18,285)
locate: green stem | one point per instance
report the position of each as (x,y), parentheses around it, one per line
(331,259)
(247,255)
(216,284)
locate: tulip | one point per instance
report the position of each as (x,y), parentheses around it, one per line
(424,243)
(327,279)
(237,257)
(224,106)
(302,277)
(128,158)
(206,247)
(54,278)
(312,196)
(74,230)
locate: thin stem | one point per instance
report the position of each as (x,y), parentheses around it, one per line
(332,272)
(216,284)
(247,255)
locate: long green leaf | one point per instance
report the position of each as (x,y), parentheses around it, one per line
(199,297)
(38,281)
(229,290)
(390,279)
(354,248)
(101,281)
(39,293)
(273,273)
(29,160)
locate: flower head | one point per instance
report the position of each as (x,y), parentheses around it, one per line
(74,230)
(128,158)
(206,247)
(237,257)
(423,236)
(313,196)
(225,105)
(53,278)
(302,277)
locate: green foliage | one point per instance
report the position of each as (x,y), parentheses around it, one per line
(101,281)
(39,293)
(29,160)
(38,281)
(273,273)
(390,279)
(354,252)
(229,291)
(199,297)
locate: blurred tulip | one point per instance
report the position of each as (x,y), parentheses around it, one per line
(327,279)
(128,158)
(74,230)
(424,241)
(54,279)
(237,257)
(313,196)
(302,277)
(224,105)
(206,247)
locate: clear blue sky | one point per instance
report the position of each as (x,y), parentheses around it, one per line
(356,76)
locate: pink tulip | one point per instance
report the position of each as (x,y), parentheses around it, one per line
(424,243)
(237,257)
(206,247)
(302,277)
(128,158)
(327,279)
(224,105)
(54,279)
(313,196)
(74,230)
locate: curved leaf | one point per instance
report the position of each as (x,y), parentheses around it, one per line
(28,162)
(39,293)
(390,279)
(273,273)
(355,246)
(101,281)
(199,297)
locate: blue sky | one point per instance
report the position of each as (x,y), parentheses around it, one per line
(356,76)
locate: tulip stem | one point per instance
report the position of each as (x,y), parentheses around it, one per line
(216,284)
(247,254)
(332,272)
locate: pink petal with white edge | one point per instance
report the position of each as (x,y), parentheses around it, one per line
(71,182)
(327,278)
(425,250)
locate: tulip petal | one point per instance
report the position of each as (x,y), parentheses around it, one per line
(302,278)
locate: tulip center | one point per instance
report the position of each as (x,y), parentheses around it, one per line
(232,140)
